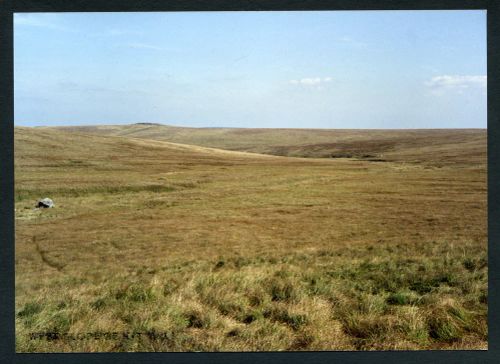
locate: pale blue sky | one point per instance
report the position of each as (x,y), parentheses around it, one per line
(357,69)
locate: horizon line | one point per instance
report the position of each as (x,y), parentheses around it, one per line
(240,127)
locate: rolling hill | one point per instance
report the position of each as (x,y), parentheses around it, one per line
(430,146)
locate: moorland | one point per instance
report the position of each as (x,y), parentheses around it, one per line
(220,239)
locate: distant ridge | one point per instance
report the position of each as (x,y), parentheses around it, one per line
(429,146)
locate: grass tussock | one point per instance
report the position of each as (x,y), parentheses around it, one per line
(269,307)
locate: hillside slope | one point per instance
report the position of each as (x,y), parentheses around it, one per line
(70,161)
(430,146)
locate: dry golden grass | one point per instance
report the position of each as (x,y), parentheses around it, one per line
(206,250)
(435,147)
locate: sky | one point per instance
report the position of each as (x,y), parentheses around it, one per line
(316,69)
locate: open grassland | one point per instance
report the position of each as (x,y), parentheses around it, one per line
(430,146)
(200,249)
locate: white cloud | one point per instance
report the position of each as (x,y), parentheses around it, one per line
(116,32)
(142,46)
(119,32)
(352,42)
(311,81)
(456,82)
(45,20)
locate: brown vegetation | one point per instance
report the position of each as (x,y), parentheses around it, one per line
(201,249)
(430,146)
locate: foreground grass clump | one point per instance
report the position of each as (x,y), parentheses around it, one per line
(272,306)
(161,247)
